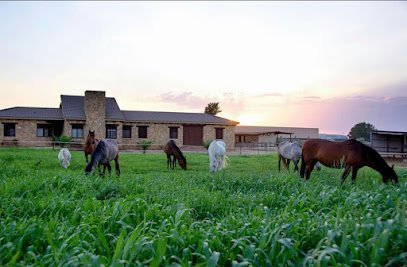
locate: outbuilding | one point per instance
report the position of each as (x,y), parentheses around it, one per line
(389,143)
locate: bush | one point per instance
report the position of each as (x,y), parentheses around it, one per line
(62,140)
(144,145)
(206,144)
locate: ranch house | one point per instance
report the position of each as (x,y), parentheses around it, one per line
(76,115)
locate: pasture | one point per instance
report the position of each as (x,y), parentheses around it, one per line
(247,214)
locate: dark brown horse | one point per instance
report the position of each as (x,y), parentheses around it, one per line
(349,154)
(173,154)
(90,144)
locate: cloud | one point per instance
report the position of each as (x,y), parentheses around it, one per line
(339,114)
(270,95)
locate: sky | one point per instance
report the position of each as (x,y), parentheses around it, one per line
(328,65)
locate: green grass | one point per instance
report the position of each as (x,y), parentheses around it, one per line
(247,214)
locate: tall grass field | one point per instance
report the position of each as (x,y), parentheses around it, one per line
(246,215)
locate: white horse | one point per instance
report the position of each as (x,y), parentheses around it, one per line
(288,151)
(217,156)
(64,157)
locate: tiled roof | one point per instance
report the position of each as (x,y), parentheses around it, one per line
(32,113)
(175,117)
(112,109)
(73,107)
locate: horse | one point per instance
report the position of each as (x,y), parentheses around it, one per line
(173,154)
(288,151)
(349,154)
(106,151)
(64,157)
(217,156)
(90,144)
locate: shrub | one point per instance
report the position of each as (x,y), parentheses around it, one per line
(144,145)
(206,144)
(62,140)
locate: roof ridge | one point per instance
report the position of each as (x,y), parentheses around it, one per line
(30,107)
(166,111)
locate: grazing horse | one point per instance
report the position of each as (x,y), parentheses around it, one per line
(288,151)
(173,154)
(217,155)
(90,144)
(349,154)
(64,157)
(106,151)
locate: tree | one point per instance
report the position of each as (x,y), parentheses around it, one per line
(361,130)
(213,108)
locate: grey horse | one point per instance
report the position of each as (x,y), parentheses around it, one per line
(106,151)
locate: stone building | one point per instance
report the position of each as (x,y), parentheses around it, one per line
(76,115)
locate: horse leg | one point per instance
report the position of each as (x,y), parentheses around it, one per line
(104,169)
(302,170)
(295,166)
(168,161)
(172,161)
(308,169)
(86,158)
(116,163)
(354,174)
(345,173)
(279,162)
(287,164)
(109,168)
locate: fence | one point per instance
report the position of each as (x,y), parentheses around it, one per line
(255,148)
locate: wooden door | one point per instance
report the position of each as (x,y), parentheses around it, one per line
(193,135)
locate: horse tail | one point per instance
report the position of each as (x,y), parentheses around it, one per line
(302,171)
(225,161)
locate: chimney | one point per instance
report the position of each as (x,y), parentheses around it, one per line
(95,110)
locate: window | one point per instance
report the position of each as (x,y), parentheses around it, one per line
(219,133)
(77,131)
(9,129)
(126,131)
(142,131)
(44,130)
(173,132)
(111,131)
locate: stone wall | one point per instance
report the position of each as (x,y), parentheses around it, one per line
(95,113)
(26,134)
(158,133)
(209,134)
(68,128)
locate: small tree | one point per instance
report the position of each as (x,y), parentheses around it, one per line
(361,130)
(144,145)
(213,108)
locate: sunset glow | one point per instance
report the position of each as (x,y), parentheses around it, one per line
(328,65)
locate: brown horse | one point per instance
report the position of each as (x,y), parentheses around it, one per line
(173,154)
(349,154)
(90,144)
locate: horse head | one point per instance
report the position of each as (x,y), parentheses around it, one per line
(91,137)
(183,163)
(390,175)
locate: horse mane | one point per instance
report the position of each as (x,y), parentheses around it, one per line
(177,151)
(371,155)
(99,152)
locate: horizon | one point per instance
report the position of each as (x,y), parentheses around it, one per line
(326,65)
